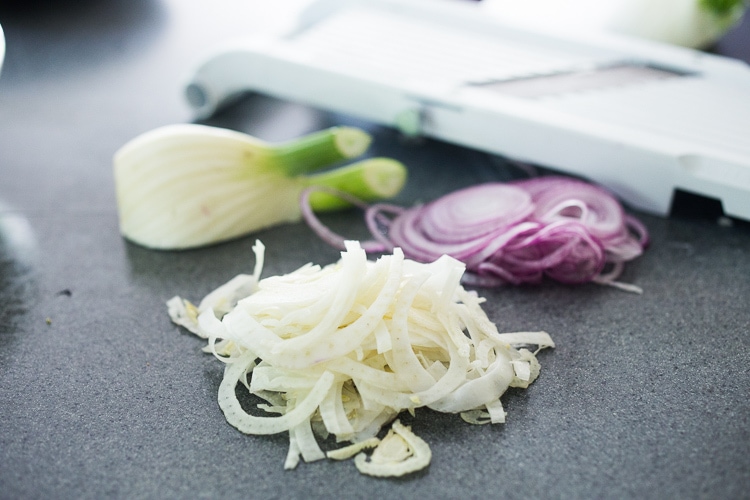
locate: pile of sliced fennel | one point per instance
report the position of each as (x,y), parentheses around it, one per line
(343,349)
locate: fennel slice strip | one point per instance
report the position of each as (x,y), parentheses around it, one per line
(249,424)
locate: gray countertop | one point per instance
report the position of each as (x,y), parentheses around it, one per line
(645,396)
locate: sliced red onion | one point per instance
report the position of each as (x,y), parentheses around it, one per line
(515,233)
(559,198)
(474,212)
(330,237)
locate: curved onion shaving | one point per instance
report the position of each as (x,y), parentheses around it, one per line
(518,232)
(341,350)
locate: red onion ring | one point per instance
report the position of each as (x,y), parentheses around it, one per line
(330,237)
(518,232)
(474,212)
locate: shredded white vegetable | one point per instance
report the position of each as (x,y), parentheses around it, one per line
(399,453)
(342,350)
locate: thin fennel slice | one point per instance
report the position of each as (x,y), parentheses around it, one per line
(399,453)
(353,449)
(342,350)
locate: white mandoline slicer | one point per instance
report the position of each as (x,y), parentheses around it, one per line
(642,118)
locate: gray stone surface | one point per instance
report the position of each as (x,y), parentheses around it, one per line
(101,396)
